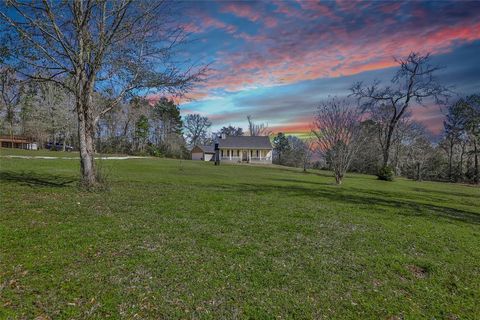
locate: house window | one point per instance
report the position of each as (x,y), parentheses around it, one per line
(238,153)
(222,153)
(257,153)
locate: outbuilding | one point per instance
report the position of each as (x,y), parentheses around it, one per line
(204,153)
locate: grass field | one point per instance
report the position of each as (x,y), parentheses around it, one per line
(183,239)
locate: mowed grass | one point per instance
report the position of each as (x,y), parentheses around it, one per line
(184,239)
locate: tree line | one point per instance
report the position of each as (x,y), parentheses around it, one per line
(372,131)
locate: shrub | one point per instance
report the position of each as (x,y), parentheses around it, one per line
(385,173)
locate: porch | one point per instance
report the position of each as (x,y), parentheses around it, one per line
(246,155)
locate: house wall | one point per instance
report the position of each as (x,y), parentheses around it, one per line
(197,155)
(208,156)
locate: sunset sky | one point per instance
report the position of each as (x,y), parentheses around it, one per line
(276,60)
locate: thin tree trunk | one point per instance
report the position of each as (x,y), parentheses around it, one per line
(11,135)
(64,141)
(476,179)
(450,156)
(419,172)
(386,150)
(86,139)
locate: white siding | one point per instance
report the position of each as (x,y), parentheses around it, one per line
(208,156)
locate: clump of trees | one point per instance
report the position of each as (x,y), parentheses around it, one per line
(138,127)
(388,104)
(394,144)
(118,49)
(292,151)
(461,140)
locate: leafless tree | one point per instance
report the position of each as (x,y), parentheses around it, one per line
(337,129)
(196,127)
(11,91)
(58,106)
(307,152)
(257,129)
(413,83)
(118,48)
(418,153)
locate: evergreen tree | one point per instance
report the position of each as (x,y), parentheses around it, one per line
(281,146)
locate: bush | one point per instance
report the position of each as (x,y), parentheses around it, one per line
(385,173)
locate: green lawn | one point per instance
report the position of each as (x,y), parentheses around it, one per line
(184,239)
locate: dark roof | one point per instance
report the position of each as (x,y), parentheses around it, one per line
(207,149)
(244,142)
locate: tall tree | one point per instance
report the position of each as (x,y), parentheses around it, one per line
(453,129)
(141,132)
(168,126)
(168,121)
(280,146)
(196,127)
(11,91)
(307,151)
(469,112)
(119,48)
(413,83)
(337,128)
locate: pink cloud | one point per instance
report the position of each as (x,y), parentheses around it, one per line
(289,62)
(205,23)
(242,11)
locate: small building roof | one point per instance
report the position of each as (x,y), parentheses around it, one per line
(207,149)
(16,139)
(245,142)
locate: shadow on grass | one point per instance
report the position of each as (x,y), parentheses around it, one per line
(33,179)
(370,200)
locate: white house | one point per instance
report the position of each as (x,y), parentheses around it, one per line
(245,149)
(237,149)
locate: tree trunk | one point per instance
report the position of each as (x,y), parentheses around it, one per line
(86,140)
(338,178)
(450,156)
(460,165)
(476,179)
(11,135)
(419,172)
(64,141)
(386,150)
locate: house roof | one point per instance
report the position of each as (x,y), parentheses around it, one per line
(245,142)
(207,149)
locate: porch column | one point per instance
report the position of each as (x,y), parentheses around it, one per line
(231,154)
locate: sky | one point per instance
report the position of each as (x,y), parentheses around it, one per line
(277,60)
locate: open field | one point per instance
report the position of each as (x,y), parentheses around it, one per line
(183,239)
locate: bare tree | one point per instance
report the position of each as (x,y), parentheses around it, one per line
(196,128)
(418,153)
(337,128)
(118,48)
(10,96)
(413,83)
(308,150)
(257,129)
